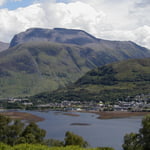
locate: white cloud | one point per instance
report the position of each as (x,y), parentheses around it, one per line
(2,2)
(139,35)
(50,15)
(18,20)
(112,19)
(142,35)
(73,15)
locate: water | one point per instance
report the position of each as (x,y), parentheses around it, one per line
(100,133)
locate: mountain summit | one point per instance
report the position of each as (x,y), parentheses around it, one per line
(58,35)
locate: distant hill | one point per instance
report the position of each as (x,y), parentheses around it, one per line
(3,46)
(41,60)
(107,83)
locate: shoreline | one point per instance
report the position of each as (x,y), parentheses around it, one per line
(120,114)
(23,116)
(101,115)
(115,114)
(109,114)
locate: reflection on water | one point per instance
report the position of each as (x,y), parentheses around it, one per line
(99,133)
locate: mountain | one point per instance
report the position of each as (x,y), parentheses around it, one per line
(3,46)
(108,50)
(41,60)
(110,82)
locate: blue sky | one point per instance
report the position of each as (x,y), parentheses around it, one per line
(12,4)
(107,19)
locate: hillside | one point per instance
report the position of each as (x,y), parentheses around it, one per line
(31,68)
(38,62)
(107,83)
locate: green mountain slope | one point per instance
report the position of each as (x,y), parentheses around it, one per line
(107,83)
(31,68)
(41,60)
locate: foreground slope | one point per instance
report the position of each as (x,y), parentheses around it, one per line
(42,147)
(41,60)
(108,83)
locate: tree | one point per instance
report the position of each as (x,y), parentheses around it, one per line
(33,134)
(14,132)
(145,133)
(4,122)
(141,140)
(10,130)
(73,139)
(132,142)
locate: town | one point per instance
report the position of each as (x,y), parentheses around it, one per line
(135,104)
